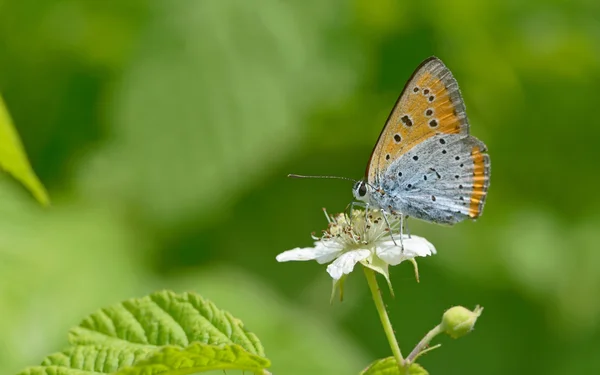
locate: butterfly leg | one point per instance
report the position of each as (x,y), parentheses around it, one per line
(402,233)
(402,217)
(351,206)
(383,213)
(348,211)
(407,229)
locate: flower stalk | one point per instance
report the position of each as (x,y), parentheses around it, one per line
(420,348)
(383,316)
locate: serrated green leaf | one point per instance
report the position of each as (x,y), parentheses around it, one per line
(52,370)
(389,366)
(163,333)
(88,359)
(197,358)
(14,160)
(122,360)
(164,318)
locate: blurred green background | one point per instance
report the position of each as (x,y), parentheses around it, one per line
(164,131)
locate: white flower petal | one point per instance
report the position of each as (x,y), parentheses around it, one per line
(329,250)
(414,246)
(319,253)
(344,264)
(392,255)
(327,257)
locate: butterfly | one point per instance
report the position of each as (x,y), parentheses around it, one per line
(425,163)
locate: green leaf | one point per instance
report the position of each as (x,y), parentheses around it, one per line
(93,359)
(88,359)
(389,366)
(14,160)
(163,333)
(164,318)
(196,358)
(311,345)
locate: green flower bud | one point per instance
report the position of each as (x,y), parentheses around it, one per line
(458,321)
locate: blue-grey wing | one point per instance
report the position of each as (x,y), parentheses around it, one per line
(443,180)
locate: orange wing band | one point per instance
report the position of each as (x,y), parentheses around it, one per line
(479,182)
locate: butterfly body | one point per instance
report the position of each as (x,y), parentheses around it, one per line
(426,164)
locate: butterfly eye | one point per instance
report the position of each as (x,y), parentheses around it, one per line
(362,190)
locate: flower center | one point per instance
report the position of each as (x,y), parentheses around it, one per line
(360,229)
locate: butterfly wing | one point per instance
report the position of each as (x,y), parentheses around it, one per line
(443,179)
(429,104)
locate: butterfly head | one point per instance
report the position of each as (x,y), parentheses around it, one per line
(362,191)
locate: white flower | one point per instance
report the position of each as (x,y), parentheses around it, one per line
(361,239)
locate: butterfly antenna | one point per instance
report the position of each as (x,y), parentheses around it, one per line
(332,177)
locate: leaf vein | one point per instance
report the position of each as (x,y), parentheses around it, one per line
(175,321)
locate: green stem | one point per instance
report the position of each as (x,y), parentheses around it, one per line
(385,320)
(423,343)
